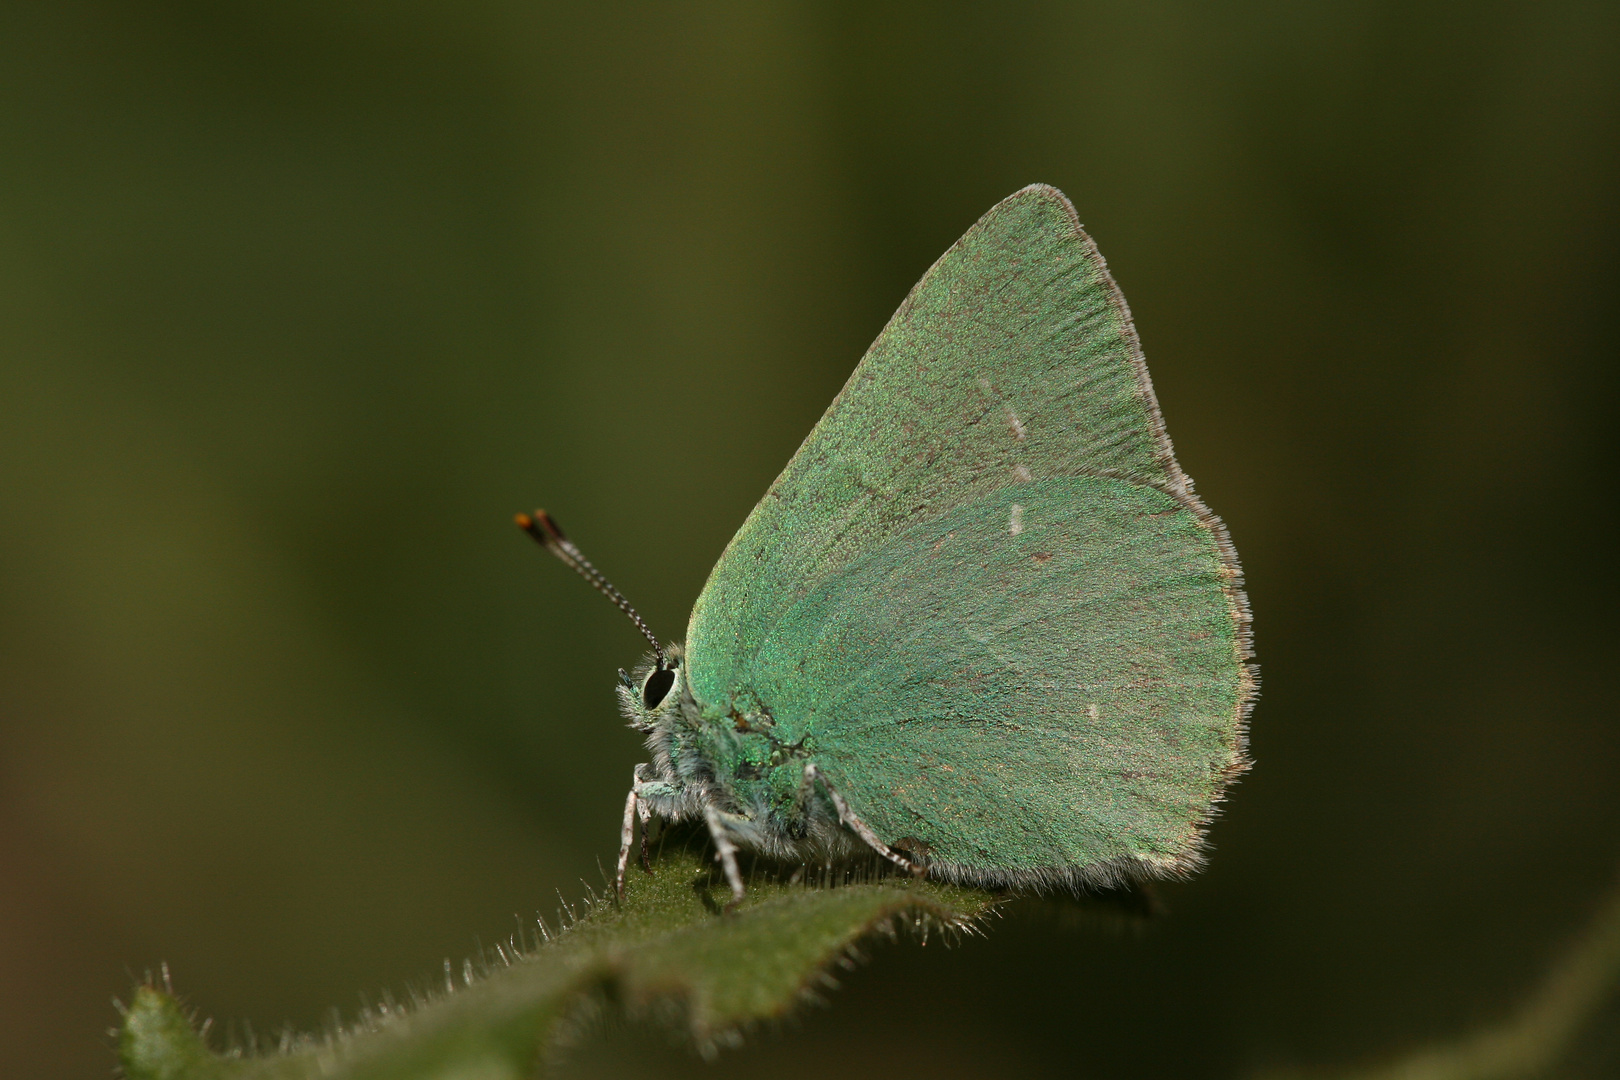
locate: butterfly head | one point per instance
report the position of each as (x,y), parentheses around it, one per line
(653,690)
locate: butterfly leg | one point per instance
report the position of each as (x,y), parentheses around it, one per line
(644,813)
(627,831)
(725,853)
(646,823)
(847,817)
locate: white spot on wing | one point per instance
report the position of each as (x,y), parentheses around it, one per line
(1091,710)
(1022,474)
(1016,525)
(1013,422)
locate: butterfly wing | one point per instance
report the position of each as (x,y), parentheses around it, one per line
(983,592)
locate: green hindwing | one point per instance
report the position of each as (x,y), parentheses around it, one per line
(983,592)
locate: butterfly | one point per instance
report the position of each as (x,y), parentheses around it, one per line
(980,624)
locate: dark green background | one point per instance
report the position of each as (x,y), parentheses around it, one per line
(300,301)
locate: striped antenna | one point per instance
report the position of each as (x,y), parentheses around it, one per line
(543,527)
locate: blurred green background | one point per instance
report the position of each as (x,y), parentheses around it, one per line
(300,301)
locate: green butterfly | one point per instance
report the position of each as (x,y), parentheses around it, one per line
(980,625)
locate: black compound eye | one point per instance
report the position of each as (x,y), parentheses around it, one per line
(656,688)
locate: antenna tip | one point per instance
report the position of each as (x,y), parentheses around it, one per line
(549,524)
(540,526)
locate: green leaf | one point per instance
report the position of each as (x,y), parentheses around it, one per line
(157,1040)
(668,951)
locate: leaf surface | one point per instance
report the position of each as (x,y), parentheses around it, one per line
(667,952)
